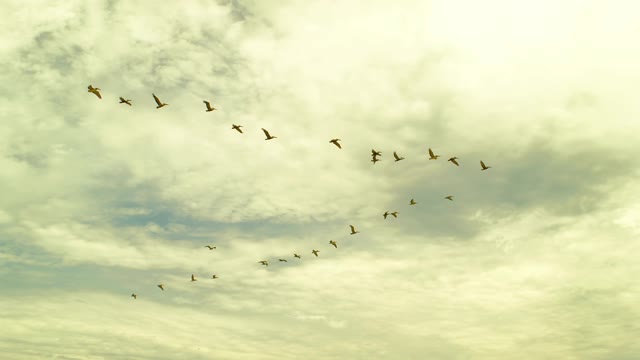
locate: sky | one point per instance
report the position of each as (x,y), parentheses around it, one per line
(534,258)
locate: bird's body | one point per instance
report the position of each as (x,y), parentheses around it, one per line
(264,262)
(395,214)
(484,167)
(453,160)
(123,101)
(412,202)
(237,127)
(283,260)
(135,296)
(450,197)
(210,247)
(214,276)
(209,107)
(95,91)
(375,153)
(398,158)
(336,143)
(160,103)
(269,137)
(298,256)
(193,278)
(353,230)
(315,252)
(335,245)
(386,213)
(433,156)
(161,286)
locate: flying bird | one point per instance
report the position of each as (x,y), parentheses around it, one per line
(210,247)
(450,197)
(412,202)
(432,156)
(161,286)
(453,160)
(315,252)
(193,278)
(484,167)
(336,143)
(96,91)
(375,153)
(386,213)
(209,108)
(296,255)
(134,296)
(398,158)
(374,160)
(264,262)
(214,276)
(269,137)
(160,103)
(283,260)
(353,230)
(123,101)
(237,127)
(333,243)
(395,214)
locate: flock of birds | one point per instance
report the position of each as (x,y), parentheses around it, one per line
(374,158)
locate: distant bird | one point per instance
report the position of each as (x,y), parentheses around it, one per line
(134,296)
(237,127)
(386,213)
(453,160)
(375,153)
(315,252)
(209,108)
(333,243)
(161,286)
(336,143)
(395,214)
(264,262)
(210,247)
(214,276)
(450,197)
(374,160)
(269,137)
(432,156)
(412,202)
(160,103)
(353,230)
(123,101)
(283,260)
(193,278)
(484,167)
(296,255)
(398,158)
(96,91)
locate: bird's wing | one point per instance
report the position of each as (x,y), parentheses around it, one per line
(482,164)
(455,162)
(352,228)
(207,103)
(157,100)
(122,99)
(266,133)
(338,145)
(430,152)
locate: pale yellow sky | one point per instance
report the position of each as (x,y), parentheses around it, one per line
(533,259)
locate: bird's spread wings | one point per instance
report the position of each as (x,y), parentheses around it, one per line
(266,133)
(430,152)
(157,100)
(482,164)
(454,161)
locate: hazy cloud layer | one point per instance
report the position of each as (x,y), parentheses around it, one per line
(533,259)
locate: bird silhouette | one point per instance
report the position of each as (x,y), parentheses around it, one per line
(269,137)
(193,278)
(264,262)
(283,260)
(96,91)
(450,197)
(353,230)
(484,167)
(296,255)
(134,296)
(209,108)
(375,153)
(398,158)
(333,243)
(161,286)
(123,101)
(395,214)
(432,156)
(237,127)
(214,276)
(336,143)
(315,252)
(210,247)
(374,160)
(453,160)
(160,103)
(386,213)
(412,202)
